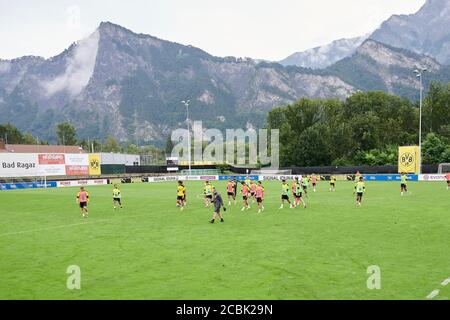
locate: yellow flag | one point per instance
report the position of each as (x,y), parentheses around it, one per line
(408,159)
(94,165)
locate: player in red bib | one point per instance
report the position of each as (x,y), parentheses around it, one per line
(83,200)
(231,192)
(245,194)
(314,181)
(253,190)
(259,194)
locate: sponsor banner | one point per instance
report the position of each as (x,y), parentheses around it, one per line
(389,177)
(408,159)
(51,158)
(434,177)
(45,164)
(27,185)
(278,177)
(52,170)
(94,165)
(238,177)
(79,183)
(163,178)
(74,170)
(51,164)
(204,178)
(77,159)
(77,164)
(18,165)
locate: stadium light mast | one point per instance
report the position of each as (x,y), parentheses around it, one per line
(186,104)
(419,73)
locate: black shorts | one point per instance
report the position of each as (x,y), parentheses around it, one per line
(259,200)
(448,182)
(403,186)
(304,187)
(284,197)
(332,184)
(244,197)
(314,184)
(359,194)
(209,197)
(181,198)
(252,194)
(298,195)
(83,205)
(116,199)
(231,193)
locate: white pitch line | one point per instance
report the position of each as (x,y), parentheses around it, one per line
(433,294)
(65,226)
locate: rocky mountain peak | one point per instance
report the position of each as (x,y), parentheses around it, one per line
(426,31)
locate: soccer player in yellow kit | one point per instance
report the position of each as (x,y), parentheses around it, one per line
(285,189)
(403,183)
(117,197)
(208,193)
(332,183)
(181,189)
(360,188)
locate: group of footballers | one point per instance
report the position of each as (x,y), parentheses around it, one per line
(251,192)
(83,200)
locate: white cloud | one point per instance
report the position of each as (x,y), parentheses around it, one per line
(79,68)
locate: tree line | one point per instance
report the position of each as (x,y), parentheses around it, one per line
(365,129)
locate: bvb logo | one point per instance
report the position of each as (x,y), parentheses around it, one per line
(407,159)
(95,164)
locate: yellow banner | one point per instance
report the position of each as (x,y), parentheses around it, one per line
(408,159)
(94,165)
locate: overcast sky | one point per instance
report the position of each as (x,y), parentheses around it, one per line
(266,29)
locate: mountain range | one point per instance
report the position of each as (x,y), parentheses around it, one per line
(128,85)
(324,56)
(424,32)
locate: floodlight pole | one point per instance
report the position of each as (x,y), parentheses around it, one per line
(419,73)
(186,104)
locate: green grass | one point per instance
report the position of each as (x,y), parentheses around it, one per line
(151,250)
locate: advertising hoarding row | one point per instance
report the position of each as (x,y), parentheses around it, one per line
(48,164)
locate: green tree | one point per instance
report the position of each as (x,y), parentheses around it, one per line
(169,145)
(10,134)
(132,149)
(436,107)
(433,149)
(29,139)
(66,134)
(111,145)
(312,147)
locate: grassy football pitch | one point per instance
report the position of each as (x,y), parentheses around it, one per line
(151,250)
